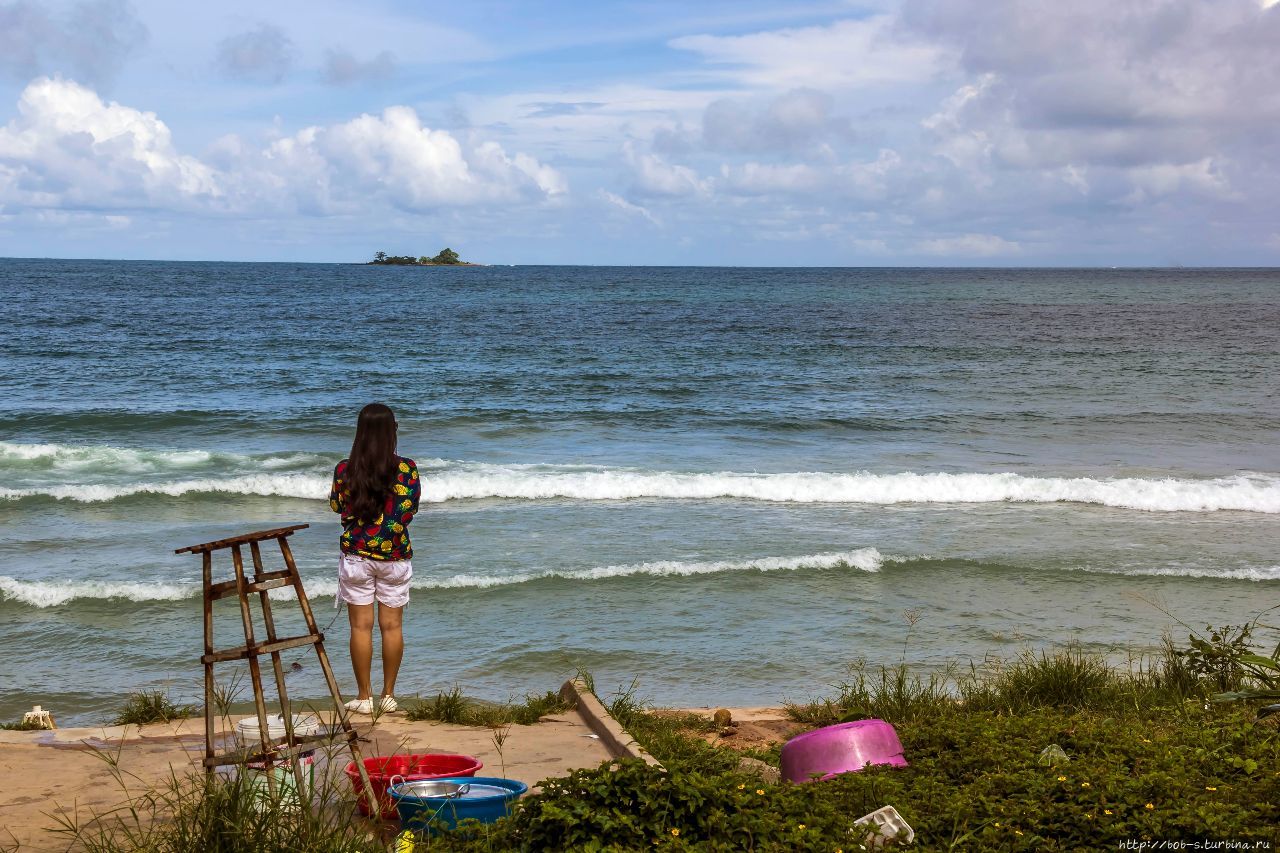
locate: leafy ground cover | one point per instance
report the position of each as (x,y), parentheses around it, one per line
(1141,755)
(1051,751)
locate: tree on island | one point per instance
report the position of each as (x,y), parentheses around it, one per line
(447,257)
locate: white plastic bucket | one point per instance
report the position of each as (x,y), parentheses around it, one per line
(248,731)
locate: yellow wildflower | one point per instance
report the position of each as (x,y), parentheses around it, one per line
(800,826)
(675,832)
(760,791)
(1210,788)
(1106,811)
(1017,832)
(742,786)
(1062,778)
(1084,784)
(1150,806)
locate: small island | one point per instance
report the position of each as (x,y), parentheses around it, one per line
(446,258)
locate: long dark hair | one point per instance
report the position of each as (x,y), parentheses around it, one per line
(372,465)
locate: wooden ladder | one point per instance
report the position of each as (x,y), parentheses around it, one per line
(271,750)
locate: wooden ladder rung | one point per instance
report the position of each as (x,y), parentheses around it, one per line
(278,756)
(269,580)
(281,645)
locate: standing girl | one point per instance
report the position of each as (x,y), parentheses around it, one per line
(376,494)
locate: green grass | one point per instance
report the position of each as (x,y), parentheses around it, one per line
(150,706)
(454,707)
(221,814)
(1148,758)
(20,726)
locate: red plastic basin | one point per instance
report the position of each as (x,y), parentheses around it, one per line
(382,768)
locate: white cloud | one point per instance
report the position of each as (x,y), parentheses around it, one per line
(1162,179)
(69,149)
(969,245)
(799,120)
(1118,83)
(627,207)
(769,178)
(844,54)
(654,176)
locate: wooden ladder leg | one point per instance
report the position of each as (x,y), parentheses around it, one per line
(286,712)
(208,667)
(255,672)
(352,735)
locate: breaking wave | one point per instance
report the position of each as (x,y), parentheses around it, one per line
(42,594)
(99,474)
(54,593)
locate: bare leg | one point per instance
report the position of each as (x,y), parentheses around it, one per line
(390,620)
(361,616)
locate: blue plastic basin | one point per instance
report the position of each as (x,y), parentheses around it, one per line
(487,799)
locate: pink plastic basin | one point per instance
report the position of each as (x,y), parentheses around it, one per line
(830,751)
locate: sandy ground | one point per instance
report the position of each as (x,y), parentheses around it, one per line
(45,775)
(750,729)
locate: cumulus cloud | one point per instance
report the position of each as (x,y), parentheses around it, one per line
(342,68)
(67,148)
(263,54)
(794,121)
(91,40)
(390,159)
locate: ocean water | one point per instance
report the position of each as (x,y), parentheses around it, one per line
(725,483)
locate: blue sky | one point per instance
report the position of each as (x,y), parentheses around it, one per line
(931,132)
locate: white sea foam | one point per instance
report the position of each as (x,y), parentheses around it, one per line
(99,473)
(53,593)
(1251,493)
(467,481)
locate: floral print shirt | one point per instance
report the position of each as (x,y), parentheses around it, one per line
(387,537)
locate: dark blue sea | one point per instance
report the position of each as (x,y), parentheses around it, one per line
(728,484)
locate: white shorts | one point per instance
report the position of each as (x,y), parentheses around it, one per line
(361,580)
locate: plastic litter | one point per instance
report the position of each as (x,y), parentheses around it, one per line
(1053,754)
(887,827)
(40,717)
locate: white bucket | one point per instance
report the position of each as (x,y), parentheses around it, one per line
(248,732)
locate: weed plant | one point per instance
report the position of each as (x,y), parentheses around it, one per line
(454,707)
(150,706)
(21,726)
(224,813)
